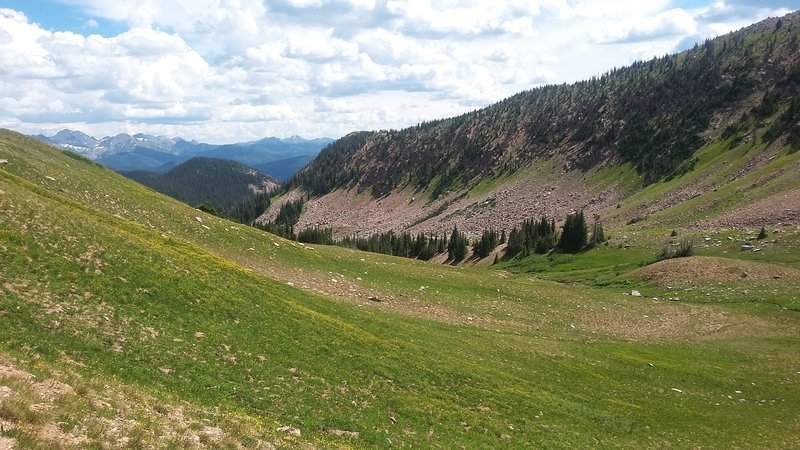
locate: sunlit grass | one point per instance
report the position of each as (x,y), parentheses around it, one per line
(113,289)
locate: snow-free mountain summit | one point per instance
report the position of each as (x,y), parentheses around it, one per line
(277,157)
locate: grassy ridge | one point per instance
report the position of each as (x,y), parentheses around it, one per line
(135,288)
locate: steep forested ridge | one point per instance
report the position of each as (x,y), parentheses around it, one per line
(221,183)
(654,114)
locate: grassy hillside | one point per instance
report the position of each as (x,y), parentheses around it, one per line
(226,333)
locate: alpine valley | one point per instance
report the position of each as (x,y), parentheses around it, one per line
(613,263)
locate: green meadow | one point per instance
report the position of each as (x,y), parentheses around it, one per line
(162,326)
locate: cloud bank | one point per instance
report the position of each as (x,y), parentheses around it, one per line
(232,70)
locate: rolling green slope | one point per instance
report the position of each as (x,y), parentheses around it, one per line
(102,279)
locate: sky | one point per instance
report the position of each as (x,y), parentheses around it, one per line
(222,71)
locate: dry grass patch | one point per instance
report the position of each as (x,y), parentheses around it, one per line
(704,268)
(662,320)
(65,410)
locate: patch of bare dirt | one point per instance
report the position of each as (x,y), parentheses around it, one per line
(13,372)
(343,433)
(7,443)
(49,390)
(50,432)
(707,268)
(215,434)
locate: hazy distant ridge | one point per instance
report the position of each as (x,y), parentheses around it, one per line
(275,156)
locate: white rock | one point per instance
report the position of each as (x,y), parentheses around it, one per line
(635,293)
(289,430)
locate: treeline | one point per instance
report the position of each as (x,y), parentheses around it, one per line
(245,212)
(285,221)
(488,241)
(531,236)
(249,209)
(421,246)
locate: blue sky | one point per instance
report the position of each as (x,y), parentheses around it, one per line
(234,70)
(57,16)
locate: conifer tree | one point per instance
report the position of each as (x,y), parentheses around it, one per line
(598,235)
(457,247)
(516,242)
(573,237)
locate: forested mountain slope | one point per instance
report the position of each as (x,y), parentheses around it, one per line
(219,182)
(554,148)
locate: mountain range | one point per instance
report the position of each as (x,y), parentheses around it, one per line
(277,157)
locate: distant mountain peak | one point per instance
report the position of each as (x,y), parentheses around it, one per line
(72,133)
(142,151)
(295,139)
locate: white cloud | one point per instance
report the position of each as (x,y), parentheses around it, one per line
(675,22)
(233,70)
(151,73)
